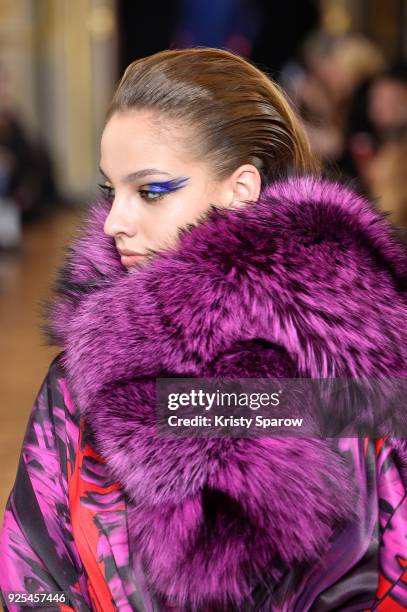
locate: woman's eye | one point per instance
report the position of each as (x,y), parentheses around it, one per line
(107,190)
(146,194)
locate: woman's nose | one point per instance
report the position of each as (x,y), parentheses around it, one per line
(120,220)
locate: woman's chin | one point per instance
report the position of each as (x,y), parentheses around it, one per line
(140,263)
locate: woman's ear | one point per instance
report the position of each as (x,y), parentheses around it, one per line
(245,184)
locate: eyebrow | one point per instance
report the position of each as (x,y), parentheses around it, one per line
(138,174)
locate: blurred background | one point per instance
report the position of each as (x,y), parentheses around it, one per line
(342,63)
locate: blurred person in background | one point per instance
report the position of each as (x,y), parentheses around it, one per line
(217,250)
(387,103)
(330,91)
(358,62)
(377,144)
(311,91)
(10,217)
(10,213)
(27,184)
(386,178)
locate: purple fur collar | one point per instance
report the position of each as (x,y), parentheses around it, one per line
(312,269)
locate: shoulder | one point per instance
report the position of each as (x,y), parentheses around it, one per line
(315,209)
(53,428)
(54,397)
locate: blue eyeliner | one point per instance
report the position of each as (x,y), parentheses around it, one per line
(167,186)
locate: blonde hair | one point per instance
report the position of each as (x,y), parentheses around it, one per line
(359,56)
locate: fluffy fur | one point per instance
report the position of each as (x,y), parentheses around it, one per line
(307,281)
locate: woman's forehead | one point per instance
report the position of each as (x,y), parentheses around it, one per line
(135,139)
(131,126)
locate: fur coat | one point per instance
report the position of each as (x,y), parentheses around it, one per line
(309,281)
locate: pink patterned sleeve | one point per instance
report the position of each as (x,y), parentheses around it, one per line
(37,549)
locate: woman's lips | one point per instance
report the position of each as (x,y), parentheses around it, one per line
(128,258)
(131,260)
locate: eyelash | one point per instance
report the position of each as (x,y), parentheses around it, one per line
(109,193)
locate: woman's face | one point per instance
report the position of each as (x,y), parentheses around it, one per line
(388,104)
(154,186)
